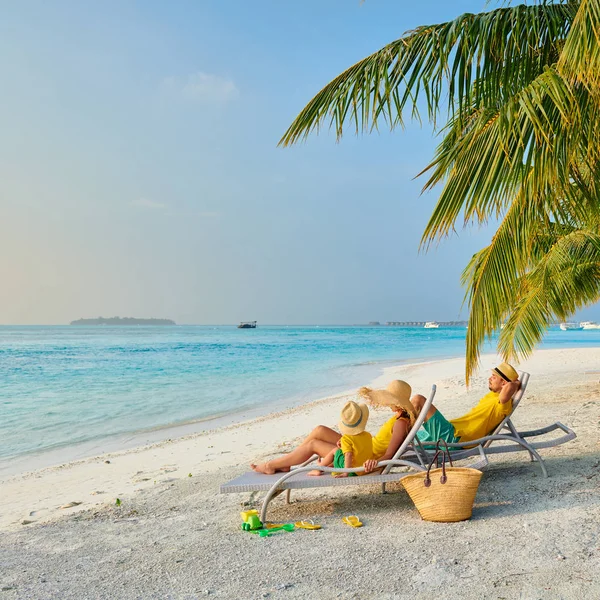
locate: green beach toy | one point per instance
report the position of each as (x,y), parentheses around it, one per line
(251,521)
(268,532)
(253,524)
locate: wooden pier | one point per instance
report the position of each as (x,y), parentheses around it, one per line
(422,323)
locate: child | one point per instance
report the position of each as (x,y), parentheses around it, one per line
(355,446)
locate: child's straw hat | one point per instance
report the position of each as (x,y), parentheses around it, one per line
(353,419)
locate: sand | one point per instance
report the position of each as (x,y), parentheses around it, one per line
(174,536)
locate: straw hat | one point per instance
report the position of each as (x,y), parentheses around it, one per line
(397,393)
(506,372)
(353,419)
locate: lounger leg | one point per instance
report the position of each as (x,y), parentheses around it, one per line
(271,494)
(383,490)
(536,457)
(263,511)
(514,432)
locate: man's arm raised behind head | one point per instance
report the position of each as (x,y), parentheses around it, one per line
(509,389)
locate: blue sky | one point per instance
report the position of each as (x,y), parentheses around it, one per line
(140,174)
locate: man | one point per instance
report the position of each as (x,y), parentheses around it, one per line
(478,422)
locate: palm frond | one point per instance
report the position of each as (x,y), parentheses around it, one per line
(564,280)
(502,50)
(580,58)
(488,156)
(492,274)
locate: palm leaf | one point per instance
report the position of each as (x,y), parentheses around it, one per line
(564,280)
(580,58)
(502,50)
(487,157)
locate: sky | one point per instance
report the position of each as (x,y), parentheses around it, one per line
(140,174)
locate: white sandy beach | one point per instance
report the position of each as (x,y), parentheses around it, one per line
(175,536)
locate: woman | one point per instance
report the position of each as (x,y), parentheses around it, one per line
(322,440)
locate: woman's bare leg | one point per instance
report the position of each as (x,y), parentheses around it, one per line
(296,456)
(326,434)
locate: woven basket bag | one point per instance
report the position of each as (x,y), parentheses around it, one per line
(446,494)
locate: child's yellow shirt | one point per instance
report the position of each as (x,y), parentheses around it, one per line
(361,447)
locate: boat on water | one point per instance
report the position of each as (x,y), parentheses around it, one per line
(247,325)
(431,325)
(589,325)
(567,326)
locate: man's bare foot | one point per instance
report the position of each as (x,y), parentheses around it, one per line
(315,473)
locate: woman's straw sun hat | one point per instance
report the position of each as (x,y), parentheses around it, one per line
(353,419)
(397,394)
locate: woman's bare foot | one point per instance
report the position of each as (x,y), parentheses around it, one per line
(263,468)
(267,469)
(315,473)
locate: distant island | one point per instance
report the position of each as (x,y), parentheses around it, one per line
(122,321)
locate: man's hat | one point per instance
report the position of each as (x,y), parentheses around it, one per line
(506,372)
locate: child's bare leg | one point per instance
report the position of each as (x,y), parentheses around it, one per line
(326,461)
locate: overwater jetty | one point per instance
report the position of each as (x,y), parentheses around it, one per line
(422,323)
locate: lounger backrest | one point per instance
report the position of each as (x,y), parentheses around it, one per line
(524,379)
(413,431)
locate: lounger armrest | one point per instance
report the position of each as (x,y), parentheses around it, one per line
(548,429)
(306,462)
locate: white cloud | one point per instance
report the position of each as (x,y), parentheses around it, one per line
(145,203)
(202,87)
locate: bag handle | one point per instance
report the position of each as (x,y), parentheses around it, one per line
(446,451)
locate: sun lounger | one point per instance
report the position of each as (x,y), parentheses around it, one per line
(298,477)
(507,432)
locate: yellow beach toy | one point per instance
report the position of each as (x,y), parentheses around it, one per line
(307,525)
(251,521)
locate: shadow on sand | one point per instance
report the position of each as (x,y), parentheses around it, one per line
(509,487)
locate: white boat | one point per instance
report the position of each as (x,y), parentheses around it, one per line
(431,325)
(567,326)
(589,325)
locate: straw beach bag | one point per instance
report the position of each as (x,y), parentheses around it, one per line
(445,494)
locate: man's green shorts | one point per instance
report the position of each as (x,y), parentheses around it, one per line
(435,428)
(339,461)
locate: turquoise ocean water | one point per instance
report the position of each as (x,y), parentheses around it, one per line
(63,386)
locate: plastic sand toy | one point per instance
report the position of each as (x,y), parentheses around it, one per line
(307,525)
(252,523)
(271,531)
(250,519)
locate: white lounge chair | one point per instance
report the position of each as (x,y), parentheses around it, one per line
(297,478)
(516,439)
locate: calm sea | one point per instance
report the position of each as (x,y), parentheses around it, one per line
(63,386)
